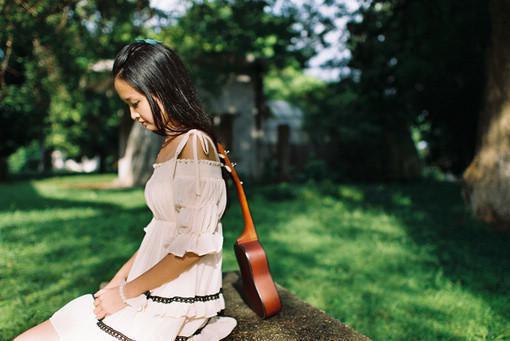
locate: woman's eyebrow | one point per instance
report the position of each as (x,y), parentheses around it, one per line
(130,99)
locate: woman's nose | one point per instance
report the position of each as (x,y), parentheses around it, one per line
(134,114)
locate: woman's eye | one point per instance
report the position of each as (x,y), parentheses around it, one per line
(134,105)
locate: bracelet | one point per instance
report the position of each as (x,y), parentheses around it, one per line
(121,292)
(138,302)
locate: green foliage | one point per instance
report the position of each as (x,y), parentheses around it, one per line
(222,36)
(22,118)
(290,84)
(397,262)
(85,124)
(415,74)
(315,169)
(48,77)
(25,158)
(346,138)
(47,90)
(421,63)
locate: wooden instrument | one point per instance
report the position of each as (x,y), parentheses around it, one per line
(259,289)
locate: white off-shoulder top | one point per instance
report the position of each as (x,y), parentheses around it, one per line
(187,198)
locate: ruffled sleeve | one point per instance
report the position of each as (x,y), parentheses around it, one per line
(200,200)
(198,223)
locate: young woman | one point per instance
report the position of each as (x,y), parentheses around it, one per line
(170,289)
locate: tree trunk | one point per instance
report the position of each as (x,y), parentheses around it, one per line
(400,158)
(487,178)
(283,152)
(3,168)
(135,167)
(44,165)
(102,162)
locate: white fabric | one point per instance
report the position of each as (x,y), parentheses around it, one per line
(187,198)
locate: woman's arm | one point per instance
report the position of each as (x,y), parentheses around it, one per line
(107,300)
(122,274)
(167,269)
(124,270)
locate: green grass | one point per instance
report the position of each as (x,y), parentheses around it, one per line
(400,262)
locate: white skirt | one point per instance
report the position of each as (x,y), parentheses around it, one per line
(76,321)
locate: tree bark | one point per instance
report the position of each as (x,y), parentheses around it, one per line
(135,167)
(487,178)
(283,152)
(3,168)
(400,158)
(102,162)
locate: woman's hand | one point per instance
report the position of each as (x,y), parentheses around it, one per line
(107,302)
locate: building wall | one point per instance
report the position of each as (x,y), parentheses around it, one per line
(237,99)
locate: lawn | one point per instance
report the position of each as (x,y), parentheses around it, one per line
(393,261)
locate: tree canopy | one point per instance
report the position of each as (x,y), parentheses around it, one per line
(415,75)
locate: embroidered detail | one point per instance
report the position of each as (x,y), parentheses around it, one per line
(180,299)
(159,164)
(188,161)
(115,333)
(198,331)
(206,161)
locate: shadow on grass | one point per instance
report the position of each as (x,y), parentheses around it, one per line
(55,249)
(434,216)
(303,249)
(23,196)
(311,247)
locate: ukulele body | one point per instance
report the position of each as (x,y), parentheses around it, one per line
(259,289)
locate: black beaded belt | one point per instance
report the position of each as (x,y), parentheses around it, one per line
(180,299)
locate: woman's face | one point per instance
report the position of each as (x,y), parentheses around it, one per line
(139,107)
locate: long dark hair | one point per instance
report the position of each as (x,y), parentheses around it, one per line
(156,70)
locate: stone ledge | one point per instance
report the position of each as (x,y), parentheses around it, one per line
(297,320)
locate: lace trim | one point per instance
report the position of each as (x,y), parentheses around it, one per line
(198,331)
(119,336)
(115,333)
(180,299)
(188,161)
(210,162)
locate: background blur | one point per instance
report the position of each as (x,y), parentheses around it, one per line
(372,135)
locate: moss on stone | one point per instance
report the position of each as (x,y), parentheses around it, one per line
(297,320)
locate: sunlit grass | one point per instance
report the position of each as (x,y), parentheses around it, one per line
(392,261)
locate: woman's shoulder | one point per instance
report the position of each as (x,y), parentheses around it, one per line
(204,149)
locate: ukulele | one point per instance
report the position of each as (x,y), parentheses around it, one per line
(259,290)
